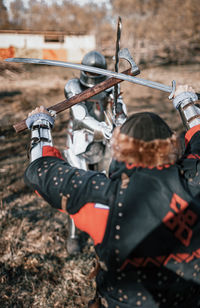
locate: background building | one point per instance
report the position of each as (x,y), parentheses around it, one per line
(45,45)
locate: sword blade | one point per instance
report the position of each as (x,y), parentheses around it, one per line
(96,70)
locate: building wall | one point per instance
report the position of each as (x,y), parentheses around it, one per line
(70,48)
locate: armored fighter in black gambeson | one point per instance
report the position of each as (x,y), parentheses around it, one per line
(144,218)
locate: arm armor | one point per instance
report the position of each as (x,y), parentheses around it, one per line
(81,117)
(190,113)
(82,120)
(40,136)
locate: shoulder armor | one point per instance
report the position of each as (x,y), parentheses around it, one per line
(72,88)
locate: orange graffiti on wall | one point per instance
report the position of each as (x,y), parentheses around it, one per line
(7,52)
(57,54)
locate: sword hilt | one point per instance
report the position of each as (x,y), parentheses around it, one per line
(174,89)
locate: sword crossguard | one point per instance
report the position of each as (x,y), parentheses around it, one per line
(125,54)
(173,89)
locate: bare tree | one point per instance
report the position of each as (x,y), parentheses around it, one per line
(173,25)
(4,23)
(18,15)
(157,20)
(68,17)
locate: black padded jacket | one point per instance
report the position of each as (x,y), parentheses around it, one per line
(150,253)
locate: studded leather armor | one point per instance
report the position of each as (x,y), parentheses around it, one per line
(150,253)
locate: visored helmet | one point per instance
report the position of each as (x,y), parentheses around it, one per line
(95,59)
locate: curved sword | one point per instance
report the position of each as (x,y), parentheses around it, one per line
(96,70)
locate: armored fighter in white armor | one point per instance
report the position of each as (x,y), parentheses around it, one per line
(88,132)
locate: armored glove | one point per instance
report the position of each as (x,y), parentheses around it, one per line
(41,115)
(40,122)
(184,99)
(119,112)
(180,98)
(106,130)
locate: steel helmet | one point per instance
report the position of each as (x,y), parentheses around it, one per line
(95,59)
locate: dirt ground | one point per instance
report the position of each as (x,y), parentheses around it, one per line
(35,269)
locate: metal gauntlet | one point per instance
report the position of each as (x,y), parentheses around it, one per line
(189,112)
(40,136)
(119,110)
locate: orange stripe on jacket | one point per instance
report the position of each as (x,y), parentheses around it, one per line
(48,150)
(89,219)
(92,220)
(190,133)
